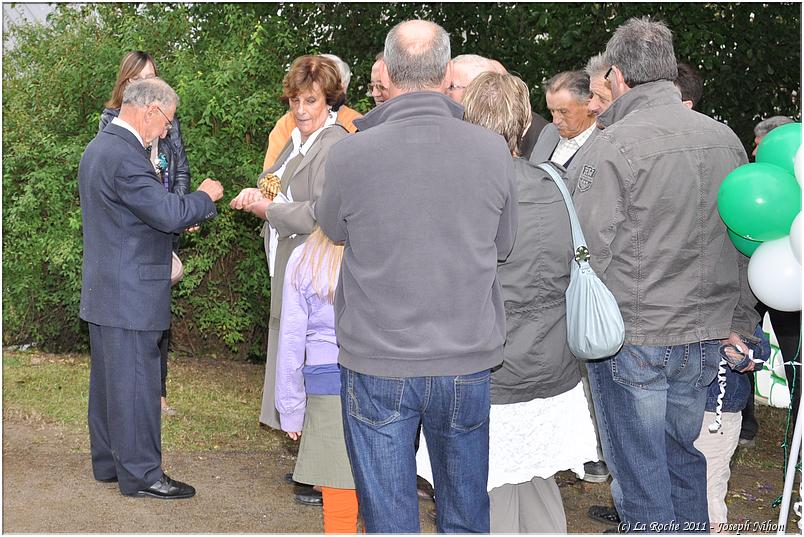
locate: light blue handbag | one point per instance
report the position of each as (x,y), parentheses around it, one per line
(594,324)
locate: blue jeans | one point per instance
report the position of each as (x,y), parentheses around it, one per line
(380,419)
(649,403)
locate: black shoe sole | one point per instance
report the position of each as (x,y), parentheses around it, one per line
(144,494)
(314,503)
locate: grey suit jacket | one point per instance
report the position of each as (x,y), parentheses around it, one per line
(128,219)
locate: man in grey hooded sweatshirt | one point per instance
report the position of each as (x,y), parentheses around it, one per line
(425,205)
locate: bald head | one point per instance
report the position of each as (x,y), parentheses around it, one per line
(466,68)
(417,57)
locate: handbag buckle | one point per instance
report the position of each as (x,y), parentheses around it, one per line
(582,254)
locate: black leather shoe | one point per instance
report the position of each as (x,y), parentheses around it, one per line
(167,489)
(308,497)
(112,479)
(604,514)
(288,478)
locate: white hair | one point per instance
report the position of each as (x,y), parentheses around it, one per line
(343,69)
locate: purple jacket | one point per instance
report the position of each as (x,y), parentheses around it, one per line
(307,359)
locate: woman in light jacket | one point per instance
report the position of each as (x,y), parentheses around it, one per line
(312,88)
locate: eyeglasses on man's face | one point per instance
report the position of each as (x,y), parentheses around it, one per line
(375,86)
(168,123)
(606,76)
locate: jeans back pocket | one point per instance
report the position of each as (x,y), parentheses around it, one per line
(472,401)
(375,401)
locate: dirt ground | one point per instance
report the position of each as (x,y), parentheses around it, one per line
(48,488)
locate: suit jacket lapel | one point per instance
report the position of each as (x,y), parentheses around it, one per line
(311,153)
(135,144)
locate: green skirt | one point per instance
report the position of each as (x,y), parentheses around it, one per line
(322,458)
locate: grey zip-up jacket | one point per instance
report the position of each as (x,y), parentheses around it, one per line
(646,197)
(534,278)
(426,205)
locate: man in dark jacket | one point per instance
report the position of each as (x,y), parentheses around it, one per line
(646,196)
(426,206)
(128,219)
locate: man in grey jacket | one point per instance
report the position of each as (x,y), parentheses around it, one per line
(647,198)
(425,205)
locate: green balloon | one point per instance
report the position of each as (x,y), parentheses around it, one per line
(779,146)
(742,244)
(759,201)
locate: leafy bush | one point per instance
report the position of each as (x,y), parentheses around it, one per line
(226,62)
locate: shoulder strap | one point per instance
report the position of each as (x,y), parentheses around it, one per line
(578,240)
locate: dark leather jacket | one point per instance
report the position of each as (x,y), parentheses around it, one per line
(178,167)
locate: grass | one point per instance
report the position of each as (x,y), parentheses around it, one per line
(218,402)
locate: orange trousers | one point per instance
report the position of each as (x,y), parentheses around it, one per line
(340,510)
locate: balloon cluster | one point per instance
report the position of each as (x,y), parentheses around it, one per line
(760,203)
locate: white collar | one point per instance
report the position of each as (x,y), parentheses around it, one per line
(581,138)
(125,125)
(302,148)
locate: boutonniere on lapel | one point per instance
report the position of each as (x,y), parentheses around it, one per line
(160,164)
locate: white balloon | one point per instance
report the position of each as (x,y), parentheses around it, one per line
(798,165)
(775,275)
(795,236)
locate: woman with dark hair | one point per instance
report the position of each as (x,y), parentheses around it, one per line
(167,156)
(313,90)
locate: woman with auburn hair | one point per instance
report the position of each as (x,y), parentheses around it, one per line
(308,381)
(539,420)
(312,88)
(167,156)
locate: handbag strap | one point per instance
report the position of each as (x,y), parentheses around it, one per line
(578,240)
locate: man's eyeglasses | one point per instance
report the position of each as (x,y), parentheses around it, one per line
(375,86)
(168,123)
(453,87)
(606,76)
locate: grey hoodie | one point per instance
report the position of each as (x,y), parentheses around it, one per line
(426,206)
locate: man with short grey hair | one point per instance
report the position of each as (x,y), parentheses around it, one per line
(128,224)
(419,310)
(646,197)
(601,97)
(467,67)
(765,126)
(567,96)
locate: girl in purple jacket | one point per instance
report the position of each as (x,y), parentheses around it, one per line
(308,382)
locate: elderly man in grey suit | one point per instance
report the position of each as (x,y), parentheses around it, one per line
(567,95)
(128,220)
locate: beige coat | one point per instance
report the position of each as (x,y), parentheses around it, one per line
(297,217)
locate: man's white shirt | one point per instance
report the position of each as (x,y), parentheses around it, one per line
(567,147)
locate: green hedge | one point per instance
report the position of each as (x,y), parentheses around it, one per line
(226,62)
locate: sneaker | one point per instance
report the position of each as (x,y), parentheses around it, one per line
(595,472)
(747,443)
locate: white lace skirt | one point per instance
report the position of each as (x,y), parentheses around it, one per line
(535,438)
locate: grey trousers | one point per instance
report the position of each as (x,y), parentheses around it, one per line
(268,414)
(531,507)
(588,392)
